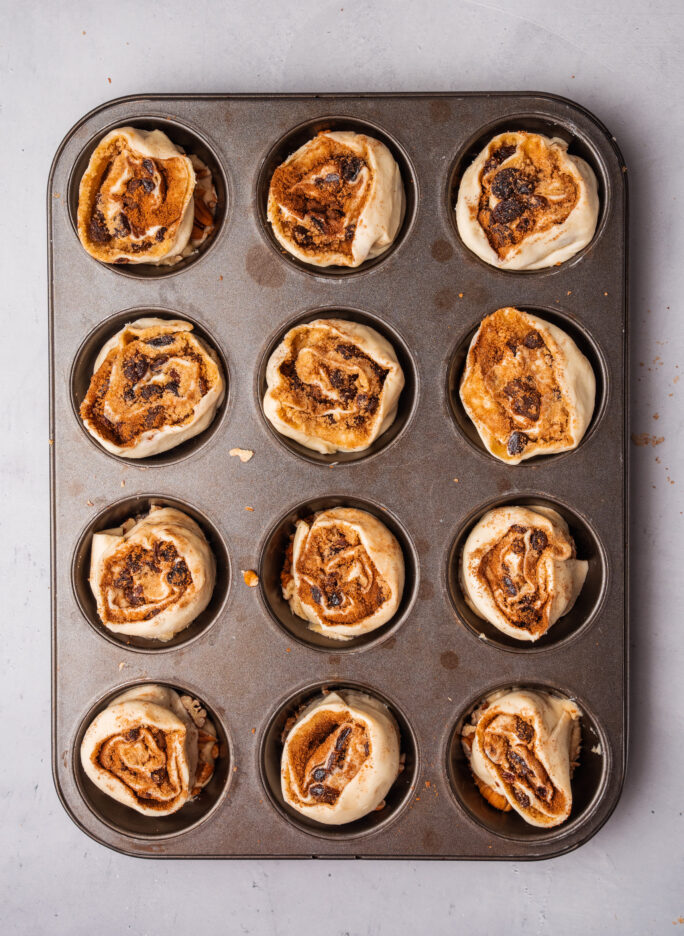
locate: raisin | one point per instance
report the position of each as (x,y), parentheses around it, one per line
(342,738)
(161,341)
(335,599)
(521,797)
(509,586)
(160,235)
(320,773)
(135,368)
(350,166)
(132,734)
(159,775)
(151,392)
(499,156)
(133,184)
(148,166)
(317,790)
(98,228)
(539,540)
(516,443)
(316,594)
(508,210)
(533,340)
(523,730)
(123,228)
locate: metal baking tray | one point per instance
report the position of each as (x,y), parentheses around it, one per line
(247,658)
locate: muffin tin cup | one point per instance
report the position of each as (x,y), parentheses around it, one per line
(427,478)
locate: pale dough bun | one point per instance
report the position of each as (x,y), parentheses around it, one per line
(519,572)
(340,758)
(135,201)
(527,387)
(525,203)
(152,577)
(337,200)
(333,386)
(154,386)
(523,746)
(344,573)
(150,749)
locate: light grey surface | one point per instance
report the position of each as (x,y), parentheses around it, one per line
(622,60)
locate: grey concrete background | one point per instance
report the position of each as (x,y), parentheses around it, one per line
(620,58)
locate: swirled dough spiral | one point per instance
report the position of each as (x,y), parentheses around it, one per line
(340,758)
(333,385)
(152,577)
(150,749)
(519,571)
(527,387)
(522,747)
(135,202)
(526,203)
(154,386)
(343,573)
(338,200)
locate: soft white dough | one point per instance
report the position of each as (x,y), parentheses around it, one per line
(538,250)
(558,737)
(383,213)
(169,524)
(565,576)
(375,346)
(380,545)
(154,144)
(156,441)
(365,791)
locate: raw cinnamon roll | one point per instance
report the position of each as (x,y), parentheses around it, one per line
(522,747)
(526,203)
(154,385)
(340,758)
(519,571)
(333,386)
(142,200)
(337,200)
(152,577)
(527,387)
(151,749)
(343,573)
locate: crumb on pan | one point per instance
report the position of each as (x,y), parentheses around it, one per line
(243,454)
(250,577)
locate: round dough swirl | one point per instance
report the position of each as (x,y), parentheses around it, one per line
(519,571)
(343,573)
(154,386)
(333,386)
(154,577)
(340,758)
(150,749)
(522,747)
(338,200)
(527,387)
(135,202)
(525,203)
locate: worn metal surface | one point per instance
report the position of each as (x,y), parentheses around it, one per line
(247,661)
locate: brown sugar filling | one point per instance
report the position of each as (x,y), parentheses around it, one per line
(509,744)
(514,572)
(337,576)
(523,191)
(137,202)
(140,758)
(329,387)
(512,388)
(150,383)
(138,582)
(325,754)
(320,196)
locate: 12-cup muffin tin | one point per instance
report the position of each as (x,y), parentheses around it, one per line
(428,478)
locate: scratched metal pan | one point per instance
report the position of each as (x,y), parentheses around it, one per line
(248,659)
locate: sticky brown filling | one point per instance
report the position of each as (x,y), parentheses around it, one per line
(523,191)
(337,577)
(512,387)
(509,743)
(320,196)
(150,383)
(325,754)
(514,572)
(329,387)
(138,582)
(143,759)
(137,202)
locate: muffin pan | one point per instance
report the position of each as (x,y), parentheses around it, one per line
(248,660)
